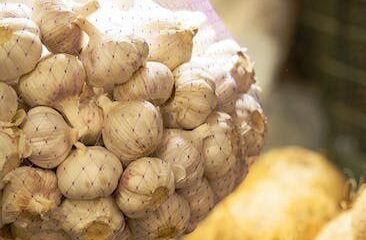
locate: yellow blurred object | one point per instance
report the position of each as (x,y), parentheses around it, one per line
(289,194)
(337,229)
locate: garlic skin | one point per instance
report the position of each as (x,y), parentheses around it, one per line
(89,219)
(89,173)
(154,82)
(93,117)
(123,234)
(14,10)
(167,222)
(29,192)
(49,137)
(131,129)
(145,185)
(112,57)
(223,186)
(193,100)
(56,82)
(242,70)
(8,102)
(204,38)
(22,47)
(200,198)
(55,18)
(224,49)
(241,171)
(227,93)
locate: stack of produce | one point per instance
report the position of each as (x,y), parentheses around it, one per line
(128,127)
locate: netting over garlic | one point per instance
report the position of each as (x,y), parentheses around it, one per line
(49,137)
(224,185)
(145,185)
(89,173)
(8,102)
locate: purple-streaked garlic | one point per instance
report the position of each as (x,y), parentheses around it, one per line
(145,185)
(55,19)
(13,148)
(193,98)
(8,102)
(49,137)
(131,129)
(14,10)
(218,153)
(251,125)
(200,198)
(89,219)
(89,173)
(153,82)
(29,192)
(224,185)
(123,234)
(167,222)
(111,57)
(21,47)
(57,82)
(182,149)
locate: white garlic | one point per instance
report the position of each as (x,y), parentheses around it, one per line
(55,19)
(89,173)
(131,129)
(21,47)
(8,102)
(14,10)
(89,219)
(224,185)
(193,99)
(167,222)
(153,82)
(29,192)
(145,185)
(205,37)
(49,137)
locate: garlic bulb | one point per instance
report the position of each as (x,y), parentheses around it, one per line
(49,137)
(227,93)
(21,47)
(193,100)
(112,57)
(218,154)
(29,192)
(89,173)
(223,49)
(123,234)
(251,125)
(14,10)
(13,148)
(55,19)
(131,129)
(205,37)
(224,185)
(153,82)
(89,219)
(56,82)
(144,186)
(8,102)
(167,222)
(200,198)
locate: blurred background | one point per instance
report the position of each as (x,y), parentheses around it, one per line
(311,64)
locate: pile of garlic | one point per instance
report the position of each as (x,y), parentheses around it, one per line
(119,124)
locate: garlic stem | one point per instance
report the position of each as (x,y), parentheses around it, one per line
(87,9)
(94,34)
(199,134)
(105,103)
(81,147)
(24,149)
(40,205)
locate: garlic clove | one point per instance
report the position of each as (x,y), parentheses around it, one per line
(154,82)
(201,201)
(145,185)
(193,99)
(89,219)
(227,94)
(57,82)
(112,57)
(89,173)
(8,102)
(167,222)
(223,186)
(14,10)
(21,47)
(29,192)
(131,129)
(55,19)
(49,137)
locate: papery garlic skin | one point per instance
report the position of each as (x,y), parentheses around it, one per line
(112,57)
(223,186)
(8,102)
(49,136)
(193,100)
(89,173)
(22,47)
(14,10)
(93,117)
(123,234)
(167,222)
(145,185)
(131,129)
(200,198)
(30,192)
(55,18)
(89,219)
(154,82)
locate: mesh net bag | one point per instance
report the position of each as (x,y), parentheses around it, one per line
(120,119)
